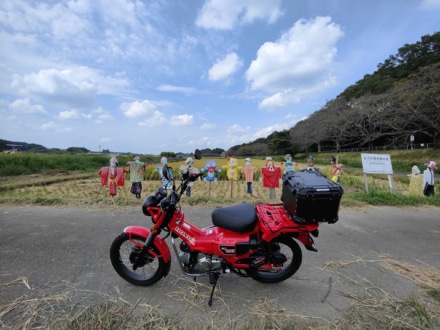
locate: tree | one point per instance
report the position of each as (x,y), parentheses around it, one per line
(77,150)
(168,154)
(340,123)
(420,99)
(408,60)
(411,57)
(312,132)
(279,143)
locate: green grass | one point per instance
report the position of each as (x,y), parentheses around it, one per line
(374,197)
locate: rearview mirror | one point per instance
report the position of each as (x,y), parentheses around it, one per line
(197,154)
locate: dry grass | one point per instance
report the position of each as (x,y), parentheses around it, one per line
(375,308)
(75,190)
(68,308)
(423,275)
(62,188)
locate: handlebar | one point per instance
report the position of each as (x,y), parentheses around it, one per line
(174,197)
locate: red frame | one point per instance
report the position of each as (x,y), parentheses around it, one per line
(273,221)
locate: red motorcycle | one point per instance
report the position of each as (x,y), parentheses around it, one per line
(258,241)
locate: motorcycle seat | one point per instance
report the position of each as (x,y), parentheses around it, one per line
(240,218)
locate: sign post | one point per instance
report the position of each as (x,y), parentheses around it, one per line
(378,164)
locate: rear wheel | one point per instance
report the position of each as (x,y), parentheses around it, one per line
(124,253)
(283,259)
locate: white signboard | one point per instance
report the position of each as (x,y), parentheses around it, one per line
(377,164)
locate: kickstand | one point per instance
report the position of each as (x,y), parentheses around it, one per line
(213,278)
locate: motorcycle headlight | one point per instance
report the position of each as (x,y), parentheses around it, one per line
(150,200)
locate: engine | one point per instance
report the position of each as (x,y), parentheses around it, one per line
(198,263)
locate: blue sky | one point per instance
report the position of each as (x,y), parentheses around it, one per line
(175,75)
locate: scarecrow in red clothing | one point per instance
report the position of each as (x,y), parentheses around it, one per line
(112,176)
(271,176)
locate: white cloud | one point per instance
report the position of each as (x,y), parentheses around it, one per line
(104,116)
(236,129)
(51,126)
(71,114)
(298,64)
(57,20)
(430,4)
(171,88)
(237,134)
(138,109)
(74,114)
(24,106)
(224,68)
(224,14)
(208,126)
(122,12)
(264,132)
(73,87)
(101,115)
(145,110)
(181,120)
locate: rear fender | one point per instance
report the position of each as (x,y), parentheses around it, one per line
(159,242)
(306,239)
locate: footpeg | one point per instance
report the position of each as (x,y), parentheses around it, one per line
(257,263)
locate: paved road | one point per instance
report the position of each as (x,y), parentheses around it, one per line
(67,249)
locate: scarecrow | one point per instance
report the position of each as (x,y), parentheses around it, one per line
(112,176)
(249,172)
(232,170)
(136,170)
(428,179)
(415,182)
(210,169)
(289,166)
(187,169)
(168,184)
(337,173)
(271,176)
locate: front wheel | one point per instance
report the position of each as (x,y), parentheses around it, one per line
(283,259)
(125,254)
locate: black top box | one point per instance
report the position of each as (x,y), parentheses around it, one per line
(309,197)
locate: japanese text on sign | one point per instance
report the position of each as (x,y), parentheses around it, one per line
(377,164)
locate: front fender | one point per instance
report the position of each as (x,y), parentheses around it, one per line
(159,242)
